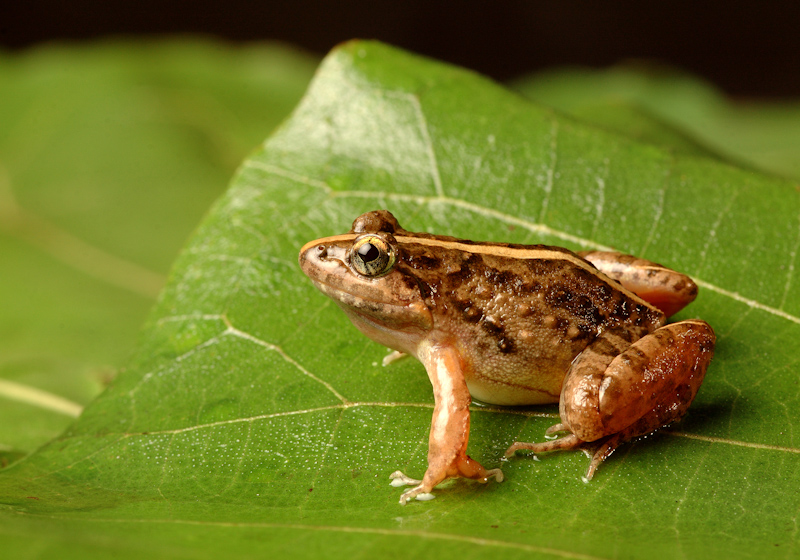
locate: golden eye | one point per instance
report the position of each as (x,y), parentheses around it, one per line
(372,256)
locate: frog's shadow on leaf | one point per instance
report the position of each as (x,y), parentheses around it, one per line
(703,417)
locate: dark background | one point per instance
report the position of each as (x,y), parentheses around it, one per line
(747,48)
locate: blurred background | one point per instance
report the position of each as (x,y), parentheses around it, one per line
(122,122)
(747,48)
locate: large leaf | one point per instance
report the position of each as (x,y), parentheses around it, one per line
(254,418)
(109,155)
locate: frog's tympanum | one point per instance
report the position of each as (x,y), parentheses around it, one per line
(519,325)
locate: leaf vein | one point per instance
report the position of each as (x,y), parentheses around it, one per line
(551,169)
(341,529)
(426,136)
(791,265)
(750,444)
(474,409)
(659,210)
(233,331)
(712,232)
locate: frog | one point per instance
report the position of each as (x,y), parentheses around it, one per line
(517,325)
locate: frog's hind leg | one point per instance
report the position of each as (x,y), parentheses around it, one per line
(588,369)
(658,285)
(616,391)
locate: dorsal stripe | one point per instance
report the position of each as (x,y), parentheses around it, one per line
(498,251)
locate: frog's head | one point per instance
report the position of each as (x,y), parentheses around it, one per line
(357,270)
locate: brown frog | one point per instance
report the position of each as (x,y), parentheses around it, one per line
(519,325)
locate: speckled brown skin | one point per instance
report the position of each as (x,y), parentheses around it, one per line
(518,324)
(512,325)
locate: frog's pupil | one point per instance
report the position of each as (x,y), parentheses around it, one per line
(368,252)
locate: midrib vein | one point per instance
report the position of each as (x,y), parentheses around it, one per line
(337,529)
(474,410)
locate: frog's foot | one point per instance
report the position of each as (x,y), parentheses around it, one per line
(466,467)
(399,479)
(556,429)
(496,473)
(420,492)
(462,468)
(602,452)
(598,453)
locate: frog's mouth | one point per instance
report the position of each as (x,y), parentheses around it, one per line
(387,314)
(399,327)
(386,302)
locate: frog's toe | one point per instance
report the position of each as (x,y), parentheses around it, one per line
(392,357)
(598,450)
(399,479)
(496,473)
(556,428)
(570,441)
(421,491)
(417,492)
(602,453)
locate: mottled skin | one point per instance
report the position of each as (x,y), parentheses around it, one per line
(520,324)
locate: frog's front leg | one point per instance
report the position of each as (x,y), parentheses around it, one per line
(616,391)
(447,443)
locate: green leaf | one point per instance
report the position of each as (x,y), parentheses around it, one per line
(677,110)
(254,419)
(109,155)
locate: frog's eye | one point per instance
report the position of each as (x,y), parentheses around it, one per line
(372,256)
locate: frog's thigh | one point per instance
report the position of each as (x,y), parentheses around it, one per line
(665,288)
(647,386)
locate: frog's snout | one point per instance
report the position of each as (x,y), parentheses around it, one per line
(310,257)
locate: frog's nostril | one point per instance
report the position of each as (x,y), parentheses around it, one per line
(322,251)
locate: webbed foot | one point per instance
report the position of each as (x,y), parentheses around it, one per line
(419,491)
(422,490)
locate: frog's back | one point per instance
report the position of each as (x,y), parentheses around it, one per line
(519,314)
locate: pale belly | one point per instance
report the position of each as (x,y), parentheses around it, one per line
(515,392)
